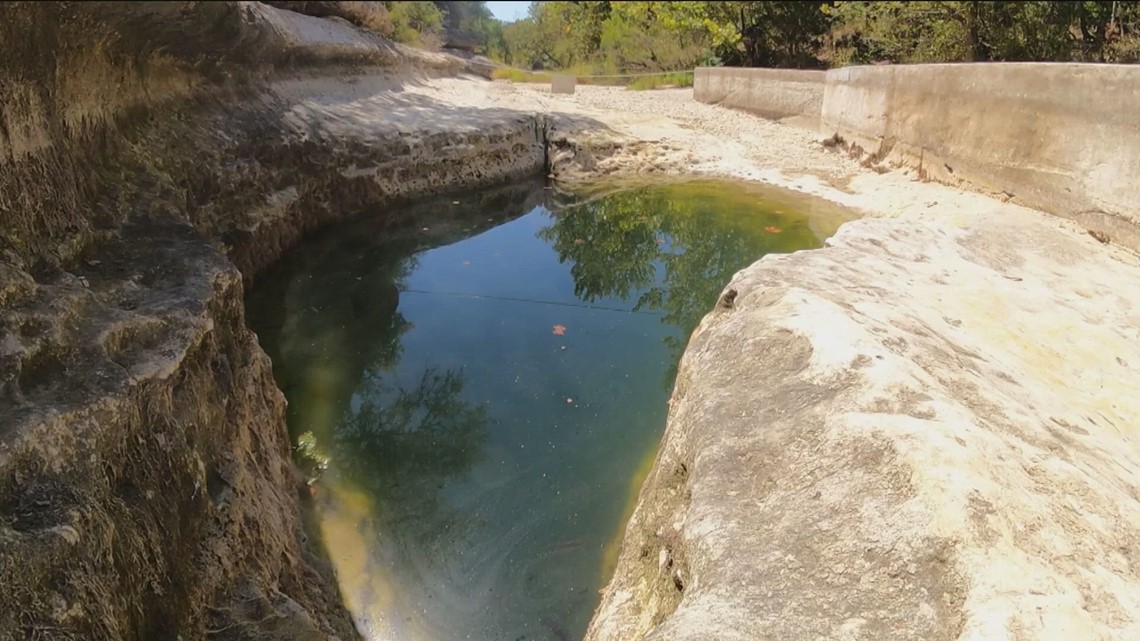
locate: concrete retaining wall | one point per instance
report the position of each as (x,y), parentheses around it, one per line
(772,93)
(1064,138)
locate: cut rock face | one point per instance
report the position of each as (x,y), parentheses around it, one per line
(946,457)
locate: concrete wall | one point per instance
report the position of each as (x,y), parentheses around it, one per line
(772,93)
(1064,138)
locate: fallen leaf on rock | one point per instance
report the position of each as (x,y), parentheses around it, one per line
(772,230)
(559,330)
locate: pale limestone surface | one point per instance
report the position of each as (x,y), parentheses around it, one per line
(919,431)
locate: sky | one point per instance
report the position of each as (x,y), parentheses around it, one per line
(508,11)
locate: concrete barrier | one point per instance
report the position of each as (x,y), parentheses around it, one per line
(563,84)
(772,93)
(1064,138)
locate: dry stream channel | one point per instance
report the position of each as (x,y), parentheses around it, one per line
(479,382)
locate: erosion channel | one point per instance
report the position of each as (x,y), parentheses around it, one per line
(479,383)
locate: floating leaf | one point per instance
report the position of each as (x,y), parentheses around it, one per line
(559,330)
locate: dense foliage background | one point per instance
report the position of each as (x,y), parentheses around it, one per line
(624,37)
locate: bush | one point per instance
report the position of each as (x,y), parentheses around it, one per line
(679,79)
(518,75)
(417,23)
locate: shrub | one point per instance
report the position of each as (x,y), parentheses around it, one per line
(417,23)
(518,75)
(678,79)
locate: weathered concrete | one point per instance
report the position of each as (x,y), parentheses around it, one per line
(1064,138)
(914,433)
(563,84)
(772,93)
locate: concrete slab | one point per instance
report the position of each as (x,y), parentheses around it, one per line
(563,84)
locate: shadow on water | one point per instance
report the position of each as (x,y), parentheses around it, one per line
(480,465)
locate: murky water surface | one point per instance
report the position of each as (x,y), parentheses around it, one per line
(485,377)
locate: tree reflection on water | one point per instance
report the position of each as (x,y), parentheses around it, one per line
(673,247)
(403,443)
(432,511)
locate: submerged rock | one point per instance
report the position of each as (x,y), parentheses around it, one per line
(918,432)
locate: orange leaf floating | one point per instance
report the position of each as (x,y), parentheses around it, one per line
(772,230)
(559,330)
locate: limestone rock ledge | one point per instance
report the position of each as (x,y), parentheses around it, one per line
(153,157)
(952,457)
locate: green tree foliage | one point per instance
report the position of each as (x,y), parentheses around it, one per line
(671,248)
(416,23)
(982,31)
(652,36)
(471,26)
(642,36)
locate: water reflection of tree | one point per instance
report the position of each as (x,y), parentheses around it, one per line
(616,243)
(402,443)
(329,317)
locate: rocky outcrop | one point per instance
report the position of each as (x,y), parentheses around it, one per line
(153,156)
(369,15)
(915,432)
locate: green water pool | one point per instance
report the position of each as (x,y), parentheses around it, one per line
(483,379)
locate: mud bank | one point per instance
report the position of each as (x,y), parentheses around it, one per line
(153,156)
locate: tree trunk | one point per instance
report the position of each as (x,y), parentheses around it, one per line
(973,44)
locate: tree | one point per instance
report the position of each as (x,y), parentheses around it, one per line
(471,26)
(418,23)
(653,36)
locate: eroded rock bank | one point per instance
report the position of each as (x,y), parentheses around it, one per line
(154,156)
(915,432)
(921,430)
